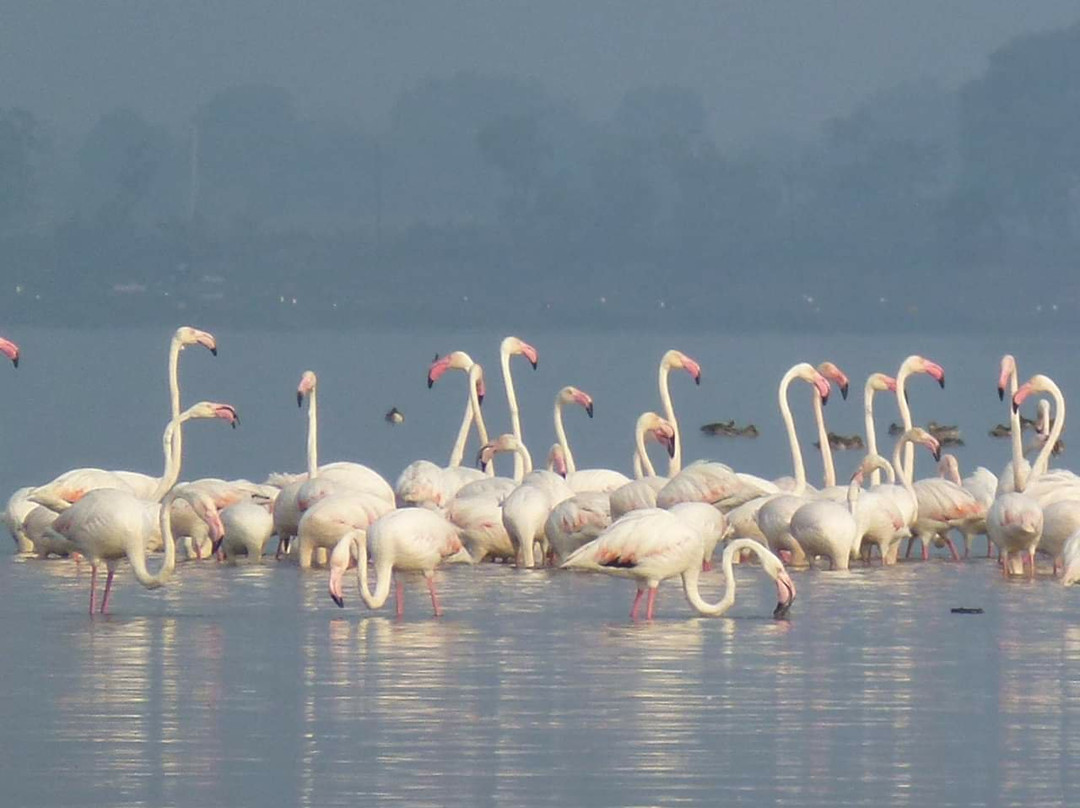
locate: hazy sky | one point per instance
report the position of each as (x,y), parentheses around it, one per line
(761,66)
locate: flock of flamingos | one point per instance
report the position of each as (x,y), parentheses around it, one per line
(642,526)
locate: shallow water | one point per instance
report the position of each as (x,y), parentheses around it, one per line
(247,686)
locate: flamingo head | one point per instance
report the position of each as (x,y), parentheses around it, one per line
(880,382)
(831,372)
(677,359)
(665,436)
(504,443)
(307,383)
(809,374)
(785,592)
(920,364)
(1036,384)
(10,350)
(556,460)
(206,509)
(340,559)
(920,436)
(186,335)
(512,346)
(1008,368)
(872,462)
(212,409)
(949,468)
(572,395)
(455,360)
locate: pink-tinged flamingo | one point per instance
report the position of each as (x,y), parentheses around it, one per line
(641,493)
(913,364)
(875,383)
(605,480)
(407,540)
(653,544)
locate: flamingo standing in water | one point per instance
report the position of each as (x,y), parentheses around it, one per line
(407,540)
(653,544)
(641,493)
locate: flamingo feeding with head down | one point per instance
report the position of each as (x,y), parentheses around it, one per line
(653,544)
(407,540)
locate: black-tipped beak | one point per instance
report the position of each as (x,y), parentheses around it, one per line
(843,392)
(697,380)
(480,398)
(340,601)
(216,546)
(937,453)
(214,350)
(1015,407)
(1001,393)
(941,381)
(430,382)
(15,361)
(536,364)
(824,399)
(299,399)
(588,409)
(235,421)
(671,449)
(781,610)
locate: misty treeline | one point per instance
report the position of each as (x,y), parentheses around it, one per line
(486,197)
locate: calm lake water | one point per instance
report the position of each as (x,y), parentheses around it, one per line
(247,686)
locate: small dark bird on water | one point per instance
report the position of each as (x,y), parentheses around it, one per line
(728,429)
(394,416)
(843,441)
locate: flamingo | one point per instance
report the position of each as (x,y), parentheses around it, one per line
(641,493)
(1071,573)
(653,544)
(407,540)
(913,364)
(107,524)
(879,520)
(875,383)
(831,372)
(526,508)
(247,526)
(673,359)
(513,346)
(423,482)
(981,485)
(605,480)
(823,527)
(773,514)
(59,493)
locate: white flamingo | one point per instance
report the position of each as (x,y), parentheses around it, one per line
(653,544)
(407,540)
(606,480)
(641,493)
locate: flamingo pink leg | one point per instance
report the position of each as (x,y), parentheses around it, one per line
(434,597)
(706,565)
(1031,555)
(93,582)
(637,602)
(952,549)
(925,549)
(989,548)
(399,597)
(650,606)
(108,589)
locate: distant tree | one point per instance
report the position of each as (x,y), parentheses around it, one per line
(120,159)
(1020,138)
(21,138)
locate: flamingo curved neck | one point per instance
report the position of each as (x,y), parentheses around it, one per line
(526,461)
(511,401)
(871,432)
(643,466)
(313,434)
(475,374)
(172,444)
(1042,462)
(793,438)
(137,554)
(560,435)
(908,467)
(823,440)
(1020,474)
(384,571)
(898,466)
(675,461)
(457,453)
(692,576)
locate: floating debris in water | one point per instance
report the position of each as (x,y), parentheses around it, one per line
(966,610)
(394,416)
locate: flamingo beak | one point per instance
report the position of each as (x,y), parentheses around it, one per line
(10,350)
(299,398)
(785,591)
(438,368)
(890,384)
(667,440)
(937,371)
(1021,394)
(843,391)
(822,385)
(530,353)
(335,588)
(589,409)
(227,413)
